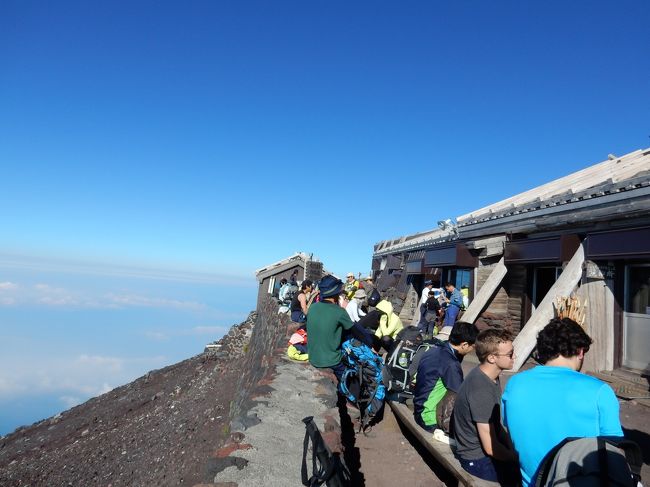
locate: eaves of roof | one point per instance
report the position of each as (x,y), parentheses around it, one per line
(410,246)
(281,265)
(624,200)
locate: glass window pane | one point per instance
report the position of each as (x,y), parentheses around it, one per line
(638,290)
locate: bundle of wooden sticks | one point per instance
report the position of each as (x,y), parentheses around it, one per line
(571,307)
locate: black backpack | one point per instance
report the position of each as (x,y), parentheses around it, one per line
(586,462)
(326,468)
(396,371)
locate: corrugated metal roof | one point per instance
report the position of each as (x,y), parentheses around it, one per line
(605,183)
(416,256)
(590,182)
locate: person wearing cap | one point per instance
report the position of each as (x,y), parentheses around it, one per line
(327,322)
(351,285)
(354,305)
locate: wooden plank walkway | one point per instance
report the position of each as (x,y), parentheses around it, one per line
(440,451)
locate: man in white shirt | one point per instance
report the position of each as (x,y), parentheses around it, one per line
(428,285)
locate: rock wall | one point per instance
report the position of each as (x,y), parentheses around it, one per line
(268,337)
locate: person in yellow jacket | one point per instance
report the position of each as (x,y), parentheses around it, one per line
(351,285)
(389,325)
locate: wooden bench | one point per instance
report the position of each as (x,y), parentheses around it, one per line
(440,451)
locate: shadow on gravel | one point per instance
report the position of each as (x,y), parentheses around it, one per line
(351,453)
(441,472)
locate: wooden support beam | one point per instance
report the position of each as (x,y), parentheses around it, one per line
(486,292)
(440,451)
(564,286)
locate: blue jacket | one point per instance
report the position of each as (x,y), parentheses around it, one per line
(455,298)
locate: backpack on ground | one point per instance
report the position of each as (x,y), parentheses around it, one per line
(326,467)
(362,381)
(396,370)
(586,462)
(371,320)
(421,350)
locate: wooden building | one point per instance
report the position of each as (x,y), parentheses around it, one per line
(307,266)
(587,233)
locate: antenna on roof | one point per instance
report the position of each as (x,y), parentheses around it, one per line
(448,224)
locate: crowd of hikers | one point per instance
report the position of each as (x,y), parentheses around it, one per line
(550,422)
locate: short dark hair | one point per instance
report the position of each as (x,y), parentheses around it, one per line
(463,332)
(283,280)
(305,284)
(561,337)
(487,342)
(449,284)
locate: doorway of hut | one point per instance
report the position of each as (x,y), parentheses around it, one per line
(543,279)
(636,318)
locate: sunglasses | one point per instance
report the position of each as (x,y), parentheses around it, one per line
(510,354)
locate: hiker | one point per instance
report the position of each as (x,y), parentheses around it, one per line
(354,305)
(293,280)
(439,371)
(428,286)
(299,302)
(276,288)
(297,349)
(389,325)
(464,291)
(351,285)
(369,286)
(286,293)
(482,445)
(327,323)
(546,404)
(429,314)
(454,300)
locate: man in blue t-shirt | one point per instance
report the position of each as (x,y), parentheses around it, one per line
(543,406)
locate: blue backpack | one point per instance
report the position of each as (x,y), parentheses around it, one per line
(362,381)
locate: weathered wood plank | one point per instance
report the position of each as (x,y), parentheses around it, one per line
(616,170)
(525,342)
(485,293)
(441,451)
(599,323)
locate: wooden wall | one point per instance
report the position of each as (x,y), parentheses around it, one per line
(599,323)
(516,285)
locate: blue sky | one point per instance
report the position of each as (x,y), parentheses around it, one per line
(154,154)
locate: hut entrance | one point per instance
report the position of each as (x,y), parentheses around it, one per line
(543,280)
(636,319)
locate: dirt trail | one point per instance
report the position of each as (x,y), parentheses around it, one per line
(390,456)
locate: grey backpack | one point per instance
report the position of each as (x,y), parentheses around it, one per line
(591,462)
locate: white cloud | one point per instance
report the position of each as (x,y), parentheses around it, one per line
(147,302)
(157,336)
(240,278)
(70,401)
(44,294)
(7,293)
(80,376)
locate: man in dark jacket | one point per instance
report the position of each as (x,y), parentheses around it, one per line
(440,371)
